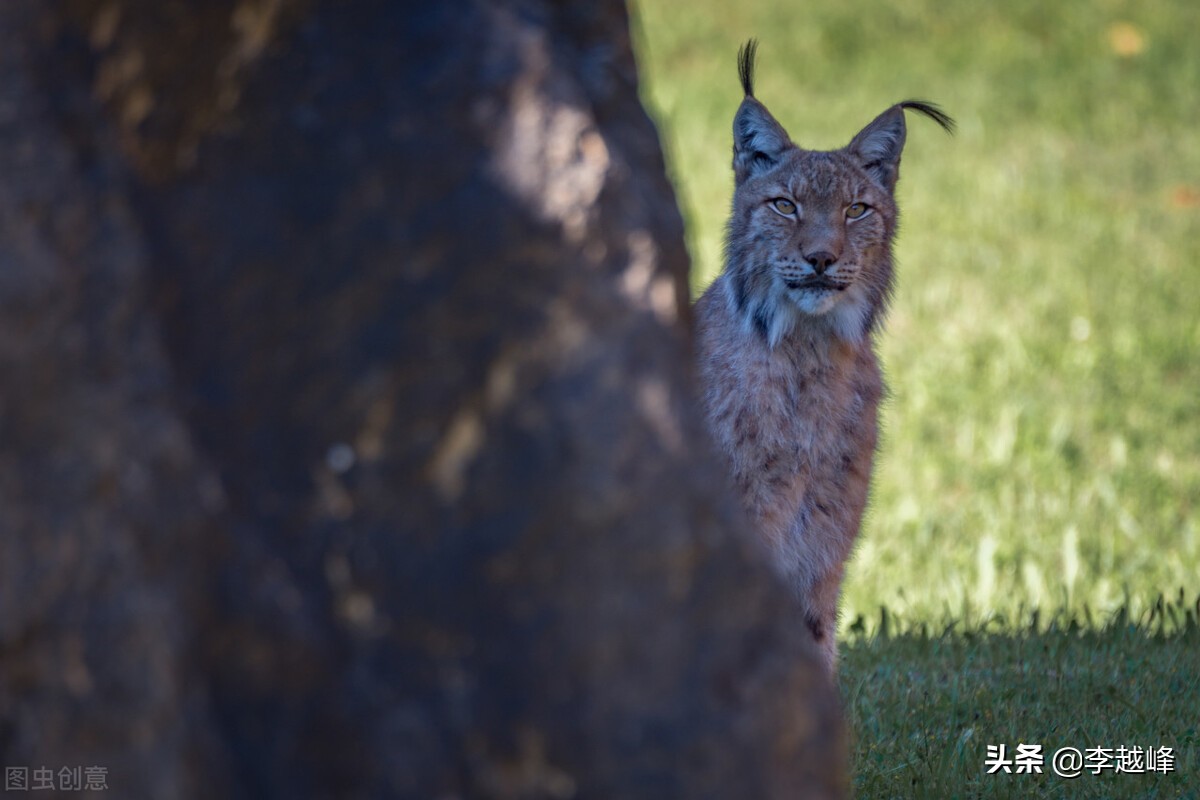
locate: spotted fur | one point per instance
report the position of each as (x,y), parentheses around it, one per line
(791,383)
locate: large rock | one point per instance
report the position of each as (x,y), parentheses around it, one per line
(347,445)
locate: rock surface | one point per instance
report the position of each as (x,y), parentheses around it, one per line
(347,446)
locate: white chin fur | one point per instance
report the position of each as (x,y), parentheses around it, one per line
(849,317)
(814,302)
(845,312)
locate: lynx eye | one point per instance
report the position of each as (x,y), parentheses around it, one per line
(784,206)
(857,210)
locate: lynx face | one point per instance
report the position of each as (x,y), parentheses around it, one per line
(812,234)
(810,237)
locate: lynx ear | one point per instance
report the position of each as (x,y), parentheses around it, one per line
(877,147)
(758,140)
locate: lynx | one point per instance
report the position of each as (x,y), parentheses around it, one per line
(790,380)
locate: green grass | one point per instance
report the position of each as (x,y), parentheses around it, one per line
(923,707)
(1042,439)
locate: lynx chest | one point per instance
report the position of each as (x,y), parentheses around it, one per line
(798,425)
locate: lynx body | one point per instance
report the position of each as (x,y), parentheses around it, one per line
(791,384)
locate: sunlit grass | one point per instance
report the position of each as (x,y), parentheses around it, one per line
(1037,491)
(1042,441)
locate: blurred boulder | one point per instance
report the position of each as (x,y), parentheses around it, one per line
(346,445)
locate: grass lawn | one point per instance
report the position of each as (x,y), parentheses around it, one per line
(1042,440)
(923,709)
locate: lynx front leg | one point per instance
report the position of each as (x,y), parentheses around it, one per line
(821,615)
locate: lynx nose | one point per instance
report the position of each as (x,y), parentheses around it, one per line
(821,261)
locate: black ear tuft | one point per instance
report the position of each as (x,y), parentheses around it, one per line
(745,58)
(933,111)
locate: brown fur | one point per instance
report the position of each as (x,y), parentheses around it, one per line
(791,384)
